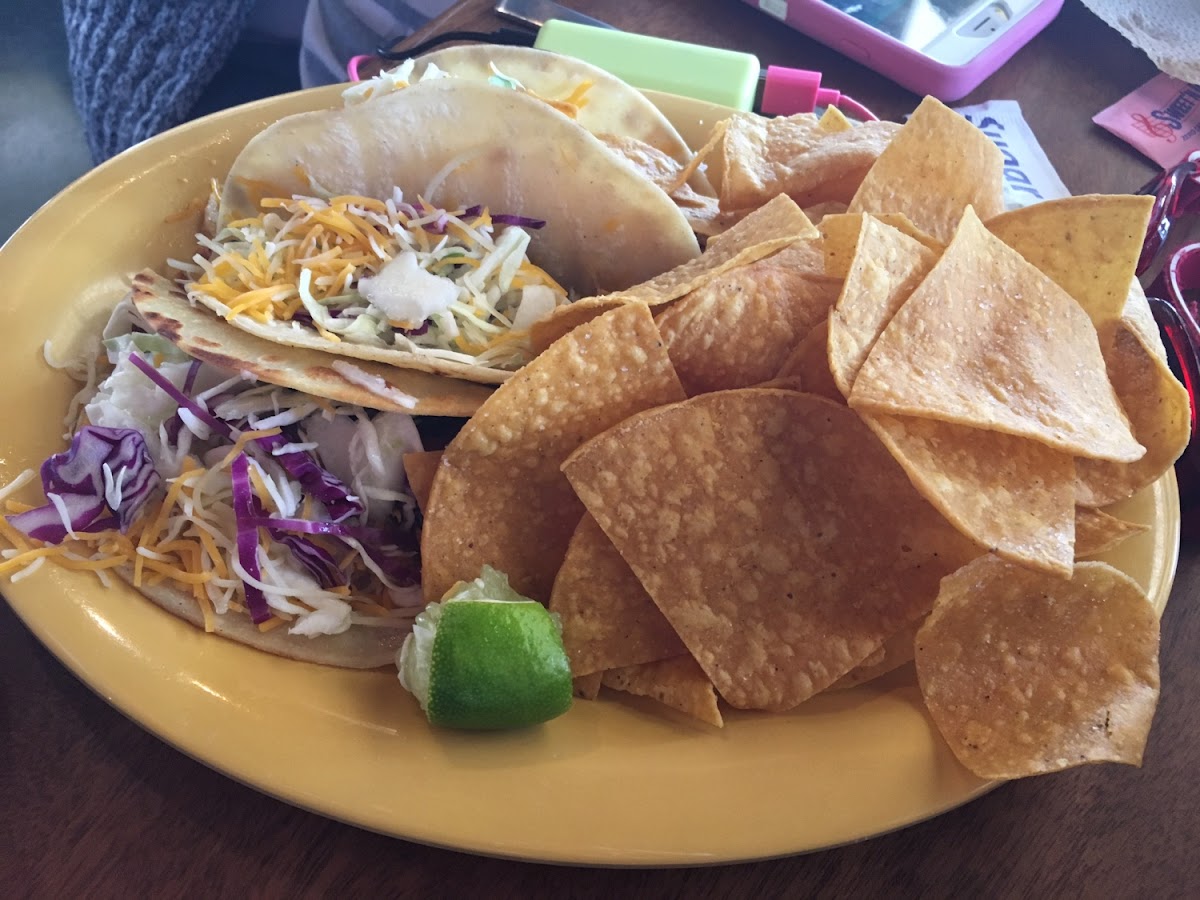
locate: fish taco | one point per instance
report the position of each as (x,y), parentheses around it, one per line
(275,518)
(428,228)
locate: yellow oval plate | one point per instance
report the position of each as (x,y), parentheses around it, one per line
(612,782)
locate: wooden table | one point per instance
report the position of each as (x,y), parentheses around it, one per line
(90,804)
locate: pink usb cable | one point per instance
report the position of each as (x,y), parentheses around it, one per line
(355,62)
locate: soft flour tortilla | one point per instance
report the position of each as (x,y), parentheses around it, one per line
(208,338)
(298,338)
(202,336)
(458,142)
(609,107)
(362,647)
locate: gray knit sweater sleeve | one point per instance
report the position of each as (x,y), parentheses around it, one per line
(137,66)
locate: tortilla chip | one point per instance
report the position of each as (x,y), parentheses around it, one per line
(1088,245)
(805,255)
(839,238)
(809,362)
(421,467)
(840,234)
(870,662)
(744,172)
(887,267)
(760,234)
(834,120)
(1025,674)
(792,383)
(811,160)
(896,651)
(608,619)
(1010,353)
(1159,411)
(936,166)
(819,211)
(678,683)
(499,497)
(774,532)
(564,319)
(1008,494)
(904,224)
(360,382)
(1138,316)
(587,687)
(1098,532)
(737,330)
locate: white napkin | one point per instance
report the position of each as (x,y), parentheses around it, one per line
(1168,30)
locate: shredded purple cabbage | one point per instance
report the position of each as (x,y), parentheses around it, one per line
(193,372)
(316,560)
(506,218)
(246,510)
(181,398)
(250,517)
(362,533)
(76,476)
(523,221)
(311,526)
(321,484)
(399,564)
(173,426)
(44,523)
(214,403)
(301,465)
(439,227)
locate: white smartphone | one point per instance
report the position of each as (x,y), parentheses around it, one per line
(940,47)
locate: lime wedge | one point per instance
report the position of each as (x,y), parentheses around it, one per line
(486,658)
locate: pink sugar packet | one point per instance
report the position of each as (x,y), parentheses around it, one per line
(1161,119)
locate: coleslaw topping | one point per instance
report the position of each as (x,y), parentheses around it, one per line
(186,474)
(454,285)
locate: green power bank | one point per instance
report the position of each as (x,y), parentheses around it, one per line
(719,76)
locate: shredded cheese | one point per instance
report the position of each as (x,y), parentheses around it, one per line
(23,559)
(206,610)
(242,440)
(307,255)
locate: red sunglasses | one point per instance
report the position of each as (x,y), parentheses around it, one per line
(1174,295)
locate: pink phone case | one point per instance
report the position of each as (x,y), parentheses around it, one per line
(900,63)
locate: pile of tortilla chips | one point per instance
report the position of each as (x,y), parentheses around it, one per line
(812,455)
